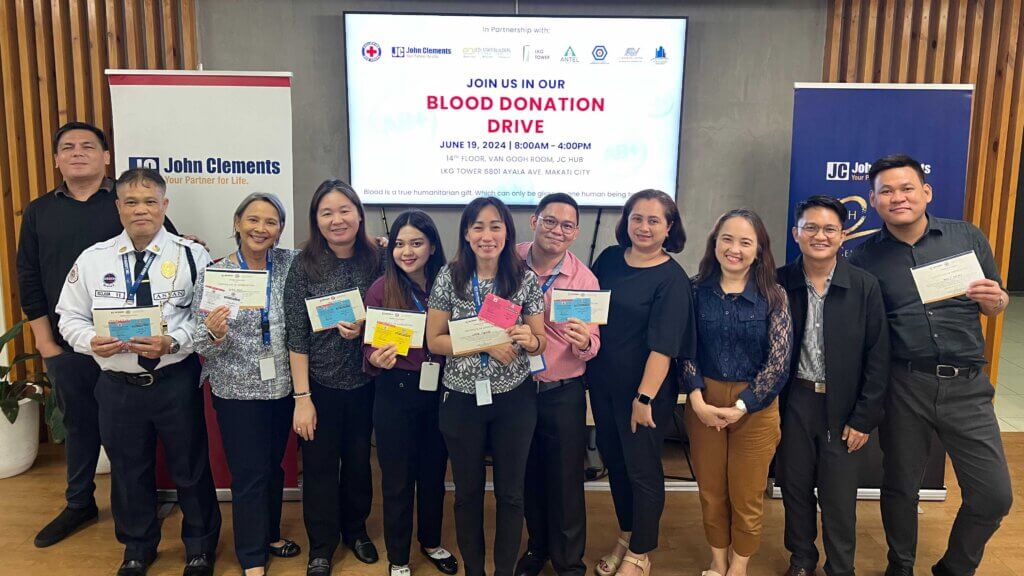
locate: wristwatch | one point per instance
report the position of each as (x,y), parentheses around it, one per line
(175,346)
(643,398)
(741,406)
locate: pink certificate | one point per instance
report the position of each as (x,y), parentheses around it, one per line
(499,311)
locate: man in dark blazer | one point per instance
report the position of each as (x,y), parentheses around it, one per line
(836,392)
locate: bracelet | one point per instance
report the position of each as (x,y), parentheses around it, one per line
(298,395)
(537,347)
(214,336)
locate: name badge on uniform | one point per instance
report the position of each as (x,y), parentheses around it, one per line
(268,371)
(483,393)
(430,374)
(819,387)
(537,364)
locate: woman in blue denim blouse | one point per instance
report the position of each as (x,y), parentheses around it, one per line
(744,335)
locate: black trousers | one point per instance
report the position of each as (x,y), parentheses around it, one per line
(633,461)
(132,418)
(810,457)
(255,436)
(337,484)
(505,426)
(556,511)
(74,378)
(413,461)
(960,410)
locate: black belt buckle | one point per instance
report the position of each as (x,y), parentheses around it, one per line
(946,371)
(141,380)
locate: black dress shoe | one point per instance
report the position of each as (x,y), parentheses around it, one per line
(530,564)
(797,571)
(287,550)
(896,570)
(449,564)
(364,550)
(65,524)
(133,568)
(199,565)
(318,567)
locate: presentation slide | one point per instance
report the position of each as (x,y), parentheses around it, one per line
(442,109)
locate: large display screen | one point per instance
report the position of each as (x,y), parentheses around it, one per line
(442,109)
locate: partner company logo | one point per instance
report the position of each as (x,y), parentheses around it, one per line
(398,51)
(659,56)
(531,54)
(151,162)
(175,166)
(855,171)
(631,55)
(371,51)
(569,57)
(599,53)
(487,52)
(422,52)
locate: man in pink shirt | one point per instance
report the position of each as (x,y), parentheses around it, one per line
(554,504)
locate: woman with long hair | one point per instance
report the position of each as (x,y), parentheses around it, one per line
(632,379)
(488,395)
(744,337)
(411,452)
(333,397)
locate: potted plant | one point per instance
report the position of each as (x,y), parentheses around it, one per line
(19,428)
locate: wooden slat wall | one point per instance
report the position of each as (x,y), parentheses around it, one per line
(950,42)
(52,57)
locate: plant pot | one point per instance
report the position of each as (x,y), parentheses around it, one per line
(19,442)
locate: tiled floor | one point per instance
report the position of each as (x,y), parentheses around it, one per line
(1010,388)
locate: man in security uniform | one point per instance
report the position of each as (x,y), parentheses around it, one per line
(836,392)
(149,387)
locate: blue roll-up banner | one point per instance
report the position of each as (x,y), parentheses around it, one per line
(838,130)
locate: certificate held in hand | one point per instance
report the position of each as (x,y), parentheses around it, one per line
(499,311)
(127,323)
(249,285)
(474,334)
(326,311)
(399,336)
(947,278)
(414,321)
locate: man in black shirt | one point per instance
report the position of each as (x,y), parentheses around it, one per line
(937,382)
(55,229)
(834,400)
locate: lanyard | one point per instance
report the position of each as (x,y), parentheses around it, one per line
(485,358)
(554,272)
(133,287)
(265,311)
(416,301)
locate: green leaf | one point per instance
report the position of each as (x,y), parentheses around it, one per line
(24,357)
(11,334)
(10,409)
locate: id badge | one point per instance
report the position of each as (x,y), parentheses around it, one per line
(430,374)
(483,393)
(537,364)
(267,369)
(819,387)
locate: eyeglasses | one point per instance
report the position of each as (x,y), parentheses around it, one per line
(548,224)
(813,229)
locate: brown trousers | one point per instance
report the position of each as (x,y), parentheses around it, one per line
(732,468)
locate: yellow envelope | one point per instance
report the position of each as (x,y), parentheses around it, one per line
(385,334)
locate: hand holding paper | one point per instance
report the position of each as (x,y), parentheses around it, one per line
(214,297)
(326,312)
(947,278)
(590,306)
(397,336)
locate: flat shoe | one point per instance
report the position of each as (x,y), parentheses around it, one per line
(287,550)
(447,565)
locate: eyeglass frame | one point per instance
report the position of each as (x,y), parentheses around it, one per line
(543,221)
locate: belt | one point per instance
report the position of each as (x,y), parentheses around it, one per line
(144,379)
(816,387)
(938,370)
(546,386)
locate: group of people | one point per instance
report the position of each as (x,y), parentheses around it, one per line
(799,364)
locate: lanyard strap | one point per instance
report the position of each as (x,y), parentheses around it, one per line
(416,301)
(133,287)
(554,271)
(485,358)
(265,311)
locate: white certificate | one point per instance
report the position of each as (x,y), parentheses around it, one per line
(214,297)
(473,335)
(250,285)
(948,277)
(415,321)
(127,323)
(590,306)
(326,311)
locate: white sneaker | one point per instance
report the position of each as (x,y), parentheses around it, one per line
(399,570)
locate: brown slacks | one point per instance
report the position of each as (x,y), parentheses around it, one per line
(732,468)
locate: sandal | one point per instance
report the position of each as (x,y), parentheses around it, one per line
(644,565)
(709,573)
(612,561)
